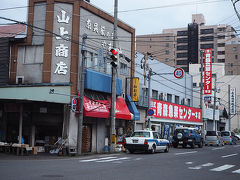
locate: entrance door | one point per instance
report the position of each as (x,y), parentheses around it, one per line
(86,138)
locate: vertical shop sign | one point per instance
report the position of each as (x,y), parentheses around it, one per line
(208,71)
(166,130)
(61,56)
(135,89)
(233,101)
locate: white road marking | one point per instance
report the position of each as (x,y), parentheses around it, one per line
(237,171)
(197,167)
(230,155)
(137,159)
(188,162)
(222,168)
(217,148)
(90,160)
(117,159)
(207,164)
(191,152)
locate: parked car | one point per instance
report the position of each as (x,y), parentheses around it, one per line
(227,137)
(234,138)
(187,136)
(147,141)
(237,136)
(214,138)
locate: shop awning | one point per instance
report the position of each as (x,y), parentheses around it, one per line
(101,108)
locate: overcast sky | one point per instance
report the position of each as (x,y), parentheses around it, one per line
(149,16)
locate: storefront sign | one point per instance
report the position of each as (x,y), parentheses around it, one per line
(172,111)
(135,89)
(208,71)
(61,56)
(166,130)
(233,101)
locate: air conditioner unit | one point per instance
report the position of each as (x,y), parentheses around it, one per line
(19,79)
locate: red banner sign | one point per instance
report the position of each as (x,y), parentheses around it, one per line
(208,71)
(168,110)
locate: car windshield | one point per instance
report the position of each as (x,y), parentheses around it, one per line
(183,130)
(211,133)
(225,133)
(141,134)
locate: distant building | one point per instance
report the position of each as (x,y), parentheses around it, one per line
(185,43)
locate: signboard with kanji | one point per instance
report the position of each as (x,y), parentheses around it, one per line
(208,71)
(172,111)
(135,89)
(232,101)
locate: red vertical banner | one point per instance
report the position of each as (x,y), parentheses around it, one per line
(208,71)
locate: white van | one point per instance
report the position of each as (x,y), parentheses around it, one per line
(214,138)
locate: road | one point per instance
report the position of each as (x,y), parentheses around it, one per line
(222,163)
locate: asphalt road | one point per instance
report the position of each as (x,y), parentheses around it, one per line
(207,163)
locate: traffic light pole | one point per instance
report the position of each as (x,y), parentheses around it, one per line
(81,77)
(114,72)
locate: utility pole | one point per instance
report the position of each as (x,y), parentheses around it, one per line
(149,99)
(201,79)
(214,104)
(229,108)
(81,77)
(114,72)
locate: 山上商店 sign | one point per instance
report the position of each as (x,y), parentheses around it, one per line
(172,111)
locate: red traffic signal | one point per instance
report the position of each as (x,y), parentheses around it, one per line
(114,54)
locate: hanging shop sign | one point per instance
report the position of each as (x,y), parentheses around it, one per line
(208,71)
(135,89)
(233,101)
(172,111)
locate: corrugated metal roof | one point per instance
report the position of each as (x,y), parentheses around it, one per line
(12,30)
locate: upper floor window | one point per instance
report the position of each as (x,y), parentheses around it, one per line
(206,38)
(154,94)
(176,99)
(123,68)
(182,33)
(234,49)
(207,31)
(169,98)
(167,51)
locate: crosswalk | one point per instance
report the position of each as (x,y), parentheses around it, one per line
(212,167)
(109,159)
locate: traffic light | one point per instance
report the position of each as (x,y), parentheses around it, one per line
(114,57)
(74,104)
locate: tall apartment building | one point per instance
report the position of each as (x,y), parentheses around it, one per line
(185,43)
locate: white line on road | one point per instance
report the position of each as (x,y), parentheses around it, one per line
(237,171)
(217,148)
(222,168)
(230,155)
(191,152)
(188,162)
(207,164)
(197,167)
(89,160)
(110,160)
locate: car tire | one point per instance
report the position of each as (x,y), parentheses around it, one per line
(167,149)
(175,145)
(184,145)
(153,150)
(193,145)
(200,144)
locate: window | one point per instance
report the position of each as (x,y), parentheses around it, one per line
(32,54)
(188,102)
(207,31)
(221,36)
(221,52)
(161,96)
(123,68)
(221,60)
(150,46)
(150,39)
(230,73)
(194,84)
(183,47)
(182,40)
(230,65)
(176,99)
(182,55)
(169,98)
(221,44)
(182,33)
(167,60)
(234,49)
(167,38)
(221,29)
(206,38)
(206,46)
(167,45)
(182,62)
(155,135)
(167,51)
(236,56)
(154,94)
(202,69)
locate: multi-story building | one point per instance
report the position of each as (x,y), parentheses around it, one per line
(187,41)
(171,98)
(42,76)
(232,64)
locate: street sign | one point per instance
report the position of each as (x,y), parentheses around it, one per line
(150,112)
(178,73)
